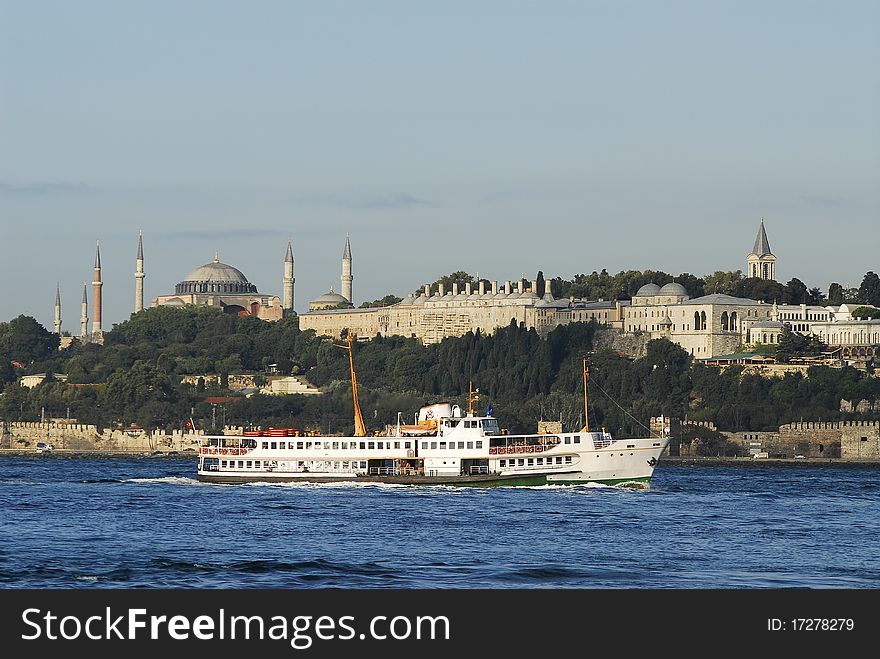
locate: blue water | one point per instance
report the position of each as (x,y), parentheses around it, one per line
(126,523)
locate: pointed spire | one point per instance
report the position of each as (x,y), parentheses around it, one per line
(58,295)
(289,256)
(216,256)
(98,254)
(346,253)
(85,299)
(140,255)
(762,246)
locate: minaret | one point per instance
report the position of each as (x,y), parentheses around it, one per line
(58,310)
(289,279)
(139,276)
(346,271)
(84,319)
(96,294)
(761,263)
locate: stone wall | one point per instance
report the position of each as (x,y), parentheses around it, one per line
(24,436)
(632,345)
(851,440)
(860,440)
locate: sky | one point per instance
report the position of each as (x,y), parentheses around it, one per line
(495,137)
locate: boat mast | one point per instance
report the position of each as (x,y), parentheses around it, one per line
(586,408)
(359,428)
(471,398)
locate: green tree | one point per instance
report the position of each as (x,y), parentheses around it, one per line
(23,339)
(386,301)
(866,312)
(795,292)
(869,291)
(835,294)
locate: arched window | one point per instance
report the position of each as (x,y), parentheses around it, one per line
(723,321)
(696,320)
(733,321)
(703,320)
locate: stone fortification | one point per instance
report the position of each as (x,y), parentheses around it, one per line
(23,436)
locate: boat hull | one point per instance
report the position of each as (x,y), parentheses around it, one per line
(477,480)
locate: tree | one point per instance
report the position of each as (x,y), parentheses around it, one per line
(795,292)
(835,294)
(386,301)
(869,291)
(866,312)
(791,344)
(722,282)
(24,339)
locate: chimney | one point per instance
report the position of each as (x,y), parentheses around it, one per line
(507,287)
(441,289)
(482,287)
(494,287)
(468,289)
(535,286)
(455,288)
(519,286)
(427,290)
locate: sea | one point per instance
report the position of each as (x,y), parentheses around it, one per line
(147,523)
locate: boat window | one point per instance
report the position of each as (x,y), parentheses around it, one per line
(335,445)
(470,444)
(363,464)
(559,460)
(503,463)
(531,462)
(461,445)
(299,445)
(433,445)
(327,445)
(407,445)
(567,440)
(344,446)
(265,444)
(396,444)
(442,445)
(249,464)
(424,446)
(274,444)
(540,461)
(258,463)
(520,462)
(371,445)
(241,464)
(363,445)
(345,465)
(568,459)
(577,439)
(479,444)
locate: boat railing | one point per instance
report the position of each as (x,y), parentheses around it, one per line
(479,469)
(223,450)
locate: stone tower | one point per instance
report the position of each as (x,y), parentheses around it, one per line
(346,271)
(84,319)
(289,279)
(97,332)
(760,262)
(139,276)
(58,310)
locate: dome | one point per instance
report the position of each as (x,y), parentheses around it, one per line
(648,290)
(673,288)
(329,300)
(215,277)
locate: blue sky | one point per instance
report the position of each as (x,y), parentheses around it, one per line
(493,137)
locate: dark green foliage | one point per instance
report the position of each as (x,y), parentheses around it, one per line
(23,339)
(869,291)
(866,312)
(386,301)
(835,294)
(791,344)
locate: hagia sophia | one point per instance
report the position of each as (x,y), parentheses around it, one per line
(707,327)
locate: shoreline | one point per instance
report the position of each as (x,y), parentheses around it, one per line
(692,461)
(93,453)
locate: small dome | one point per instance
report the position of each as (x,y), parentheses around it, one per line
(648,290)
(673,288)
(330,298)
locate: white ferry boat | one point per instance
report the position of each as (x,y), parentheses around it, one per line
(445,446)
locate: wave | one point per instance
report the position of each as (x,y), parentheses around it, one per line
(172,480)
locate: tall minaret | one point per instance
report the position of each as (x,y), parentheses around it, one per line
(346,271)
(287,303)
(58,310)
(139,276)
(84,319)
(96,294)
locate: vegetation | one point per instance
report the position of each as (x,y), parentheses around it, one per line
(136,378)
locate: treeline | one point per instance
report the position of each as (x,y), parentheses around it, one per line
(135,378)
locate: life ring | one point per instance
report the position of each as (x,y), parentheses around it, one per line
(530,449)
(538,449)
(519,449)
(223,451)
(492,451)
(510,449)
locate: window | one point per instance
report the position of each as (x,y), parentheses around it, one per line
(265,444)
(335,445)
(559,460)
(396,444)
(362,445)
(461,445)
(568,459)
(433,445)
(577,439)
(274,444)
(540,461)
(249,464)
(531,462)
(407,445)
(568,440)
(442,445)
(470,444)
(299,445)
(480,444)
(520,462)
(371,445)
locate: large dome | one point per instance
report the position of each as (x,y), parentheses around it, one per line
(648,290)
(329,300)
(673,288)
(215,277)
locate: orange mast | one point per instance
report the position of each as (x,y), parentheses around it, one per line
(359,428)
(586,427)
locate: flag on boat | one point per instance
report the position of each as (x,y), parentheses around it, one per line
(489,410)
